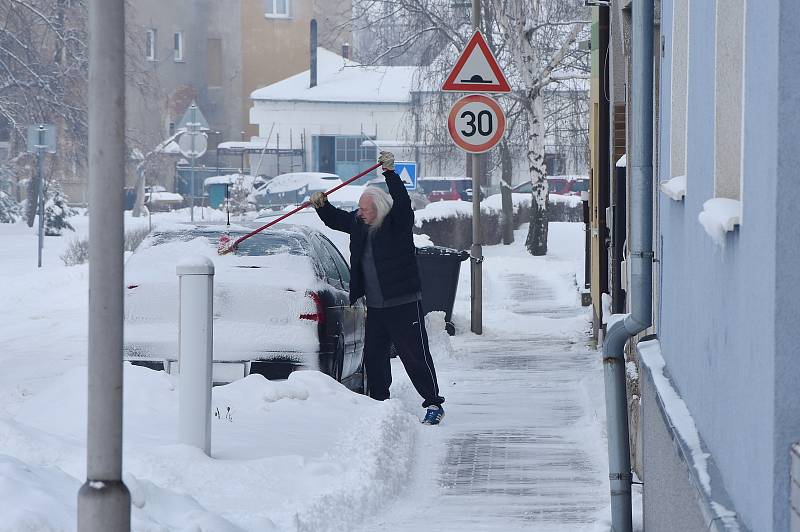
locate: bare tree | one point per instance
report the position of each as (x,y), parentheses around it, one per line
(544,52)
(43,70)
(535,40)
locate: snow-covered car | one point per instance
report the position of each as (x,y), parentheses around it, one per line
(293,188)
(156,198)
(281,302)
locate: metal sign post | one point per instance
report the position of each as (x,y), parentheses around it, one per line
(476,124)
(41,140)
(193,143)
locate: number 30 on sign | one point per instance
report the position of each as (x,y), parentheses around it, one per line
(476,123)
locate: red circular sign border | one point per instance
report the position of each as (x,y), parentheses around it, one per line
(476,148)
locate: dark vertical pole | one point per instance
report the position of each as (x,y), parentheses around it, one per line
(476,253)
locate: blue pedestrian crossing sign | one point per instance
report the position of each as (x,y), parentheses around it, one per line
(408,173)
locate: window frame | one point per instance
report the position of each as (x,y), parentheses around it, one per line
(150,44)
(178,47)
(271,9)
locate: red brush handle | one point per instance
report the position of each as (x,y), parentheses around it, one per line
(298,209)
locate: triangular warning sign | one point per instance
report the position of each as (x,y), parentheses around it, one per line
(476,70)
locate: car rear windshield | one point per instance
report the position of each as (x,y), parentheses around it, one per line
(435,186)
(580,185)
(261,244)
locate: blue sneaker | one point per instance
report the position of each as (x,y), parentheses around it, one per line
(434,415)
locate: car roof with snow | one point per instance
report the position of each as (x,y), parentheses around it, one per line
(298,180)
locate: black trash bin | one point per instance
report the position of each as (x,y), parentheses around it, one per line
(439,268)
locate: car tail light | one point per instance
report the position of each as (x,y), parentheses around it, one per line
(316,312)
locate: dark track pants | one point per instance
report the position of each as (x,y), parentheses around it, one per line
(403,325)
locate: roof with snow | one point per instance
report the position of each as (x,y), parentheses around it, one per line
(343,80)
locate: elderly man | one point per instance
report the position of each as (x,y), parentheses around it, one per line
(384,269)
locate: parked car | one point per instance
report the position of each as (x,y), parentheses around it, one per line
(293,188)
(281,302)
(446,188)
(565,185)
(418,199)
(156,198)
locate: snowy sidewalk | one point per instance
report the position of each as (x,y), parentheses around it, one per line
(521,446)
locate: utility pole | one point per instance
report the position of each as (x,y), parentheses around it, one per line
(193,127)
(476,253)
(40,147)
(104,503)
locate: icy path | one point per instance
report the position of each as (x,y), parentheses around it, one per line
(521,447)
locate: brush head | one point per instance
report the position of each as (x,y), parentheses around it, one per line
(225,245)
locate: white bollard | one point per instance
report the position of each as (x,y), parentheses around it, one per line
(195,351)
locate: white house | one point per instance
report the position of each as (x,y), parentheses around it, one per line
(333,120)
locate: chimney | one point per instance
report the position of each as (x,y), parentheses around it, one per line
(346,50)
(313,53)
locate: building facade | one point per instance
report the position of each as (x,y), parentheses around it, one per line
(719,378)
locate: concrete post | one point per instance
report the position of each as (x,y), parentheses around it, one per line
(195,351)
(476,252)
(104,503)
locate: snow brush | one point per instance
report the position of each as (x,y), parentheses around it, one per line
(225,245)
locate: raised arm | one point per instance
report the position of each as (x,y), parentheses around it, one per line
(333,217)
(401,212)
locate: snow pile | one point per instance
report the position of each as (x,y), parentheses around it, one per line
(622,162)
(440,210)
(438,339)
(285,456)
(422,241)
(518,200)
(676,409)
(720,216)
(36,498)
(675,188)
(569,200)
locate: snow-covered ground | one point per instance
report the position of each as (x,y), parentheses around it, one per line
(306,454)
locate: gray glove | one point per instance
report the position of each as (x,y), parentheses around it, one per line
(386,159)
(317,200)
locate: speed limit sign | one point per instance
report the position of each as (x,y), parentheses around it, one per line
(476,123)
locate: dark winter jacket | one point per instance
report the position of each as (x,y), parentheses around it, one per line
(392,244)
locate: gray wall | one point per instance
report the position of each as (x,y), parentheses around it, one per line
(146,113)
(226,101)
(728,315)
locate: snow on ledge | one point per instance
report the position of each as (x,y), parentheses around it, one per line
(675,408)
(622,161)
(720,216)
(675,188)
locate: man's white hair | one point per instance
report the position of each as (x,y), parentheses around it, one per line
(383,204)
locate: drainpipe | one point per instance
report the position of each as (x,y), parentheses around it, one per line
(313,67)
(623,328)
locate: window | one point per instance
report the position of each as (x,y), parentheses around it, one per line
(351,149)
(276,8)
(729,69)
(178,46)
(150,45)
